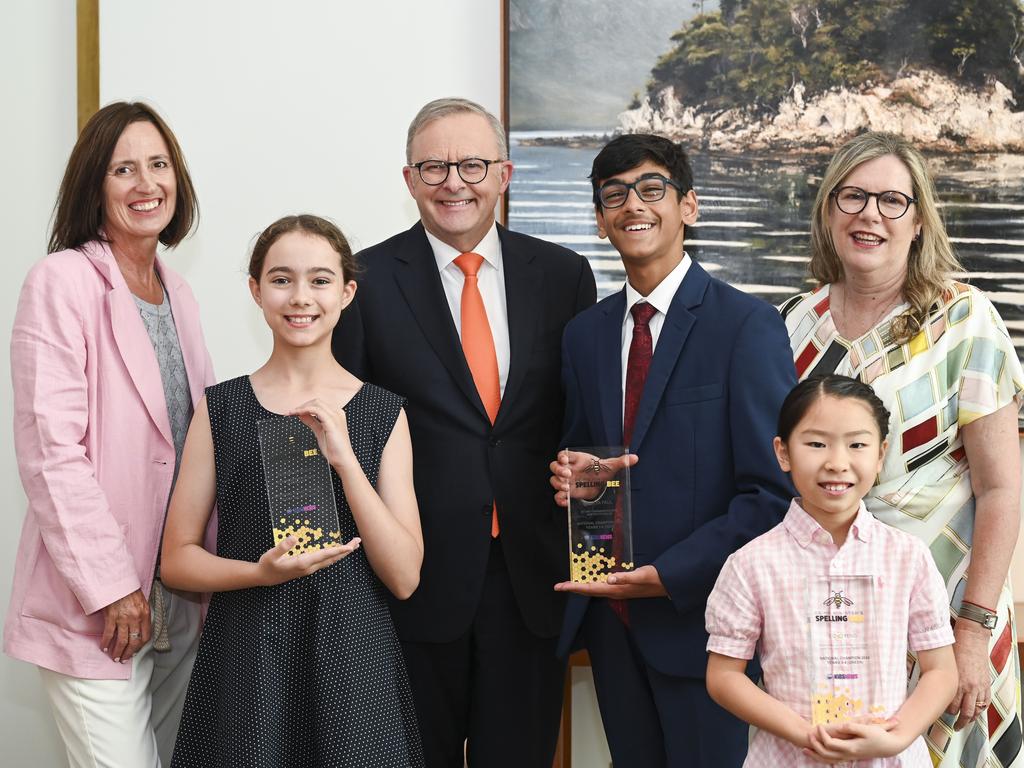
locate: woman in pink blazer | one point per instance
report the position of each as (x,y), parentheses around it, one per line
(107,360)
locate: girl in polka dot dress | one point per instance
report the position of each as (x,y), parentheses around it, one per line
(299,664)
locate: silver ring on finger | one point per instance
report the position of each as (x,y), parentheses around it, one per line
(134,635)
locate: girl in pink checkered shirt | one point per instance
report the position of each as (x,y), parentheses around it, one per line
(831,600)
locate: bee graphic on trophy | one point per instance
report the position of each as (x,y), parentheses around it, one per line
(838,600)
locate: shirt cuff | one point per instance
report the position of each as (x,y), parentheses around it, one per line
(734,648)
(934,638)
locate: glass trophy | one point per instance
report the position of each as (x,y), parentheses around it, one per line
(846,679)
(600,530)
(299,485)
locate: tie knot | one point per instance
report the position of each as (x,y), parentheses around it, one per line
(469,263)
(642,312)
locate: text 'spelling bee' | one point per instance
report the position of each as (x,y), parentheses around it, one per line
(838,600)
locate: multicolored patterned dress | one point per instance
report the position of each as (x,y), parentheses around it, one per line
(960,367)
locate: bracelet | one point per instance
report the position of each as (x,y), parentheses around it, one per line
(979,605)
(972,612)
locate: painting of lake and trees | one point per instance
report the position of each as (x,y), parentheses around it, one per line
(761,92)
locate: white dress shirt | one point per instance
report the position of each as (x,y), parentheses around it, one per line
(660,298)
(491,282)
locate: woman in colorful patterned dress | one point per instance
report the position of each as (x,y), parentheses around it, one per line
(889,313)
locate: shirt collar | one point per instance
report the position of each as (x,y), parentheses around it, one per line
(802,526)
(489,247)
(661,297)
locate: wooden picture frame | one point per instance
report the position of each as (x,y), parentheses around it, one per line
(87,35)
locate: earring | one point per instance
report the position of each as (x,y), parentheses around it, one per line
(917,236)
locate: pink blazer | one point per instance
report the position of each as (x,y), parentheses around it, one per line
(95,452)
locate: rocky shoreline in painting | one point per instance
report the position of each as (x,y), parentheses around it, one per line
(934,112)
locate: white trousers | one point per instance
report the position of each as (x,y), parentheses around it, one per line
(129,723)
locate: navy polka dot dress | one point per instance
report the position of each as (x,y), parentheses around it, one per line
(309,673)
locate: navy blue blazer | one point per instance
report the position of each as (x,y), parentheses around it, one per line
(707,481)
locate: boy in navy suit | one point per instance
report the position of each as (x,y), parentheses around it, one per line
(689,373)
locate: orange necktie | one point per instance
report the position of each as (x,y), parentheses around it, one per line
(478,346)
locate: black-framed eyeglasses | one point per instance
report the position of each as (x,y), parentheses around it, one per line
(650,188)
(472,170)
(891,204)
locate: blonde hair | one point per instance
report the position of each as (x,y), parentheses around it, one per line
(931,260)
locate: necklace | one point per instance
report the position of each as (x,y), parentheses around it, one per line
(845,321)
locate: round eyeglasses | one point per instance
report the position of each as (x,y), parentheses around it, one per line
(891,204)
(472,170)
(650,188)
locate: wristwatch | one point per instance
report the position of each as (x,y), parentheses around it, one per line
(973,612)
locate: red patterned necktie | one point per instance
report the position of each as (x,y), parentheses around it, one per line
(478,346)
(641,349)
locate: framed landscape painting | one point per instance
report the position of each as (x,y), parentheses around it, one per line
(761,92)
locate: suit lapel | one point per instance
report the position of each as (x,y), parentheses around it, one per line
(521,280)
(420,284)
(608,367)
(133,342)
(186,323)
(674,332)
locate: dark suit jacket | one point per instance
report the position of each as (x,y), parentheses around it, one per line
(399,334)
(707,480)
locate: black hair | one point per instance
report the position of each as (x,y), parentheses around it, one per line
(807,392)
(623,153)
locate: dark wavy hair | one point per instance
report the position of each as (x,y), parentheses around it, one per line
(807,392)
(78,212)
(308,224)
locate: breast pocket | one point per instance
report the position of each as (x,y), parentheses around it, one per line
(698,394)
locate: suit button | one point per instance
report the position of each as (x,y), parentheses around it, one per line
(486,509)
(494,442)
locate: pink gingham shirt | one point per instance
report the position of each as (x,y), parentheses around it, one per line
(760,602)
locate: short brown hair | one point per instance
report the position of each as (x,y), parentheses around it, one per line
(308,224)
(78,212)
(931,262)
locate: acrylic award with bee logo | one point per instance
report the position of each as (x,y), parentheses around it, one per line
(846,679)
(299,485)
(600,525)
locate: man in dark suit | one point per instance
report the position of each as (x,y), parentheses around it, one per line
(465,319)
(689,374)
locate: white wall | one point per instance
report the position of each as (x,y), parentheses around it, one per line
(291,107)
(37,99)
(280,108)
